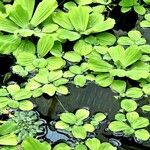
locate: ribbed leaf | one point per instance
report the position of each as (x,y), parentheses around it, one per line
(43,11)
(44,45)
(19,16)
(28,5)
(8,43)
(98,65)
(79,18)
(62,19)
(7,25)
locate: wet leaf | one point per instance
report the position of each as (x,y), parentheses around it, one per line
(79,132)
(26,105)
(69,118)
(82,114)
(142,134)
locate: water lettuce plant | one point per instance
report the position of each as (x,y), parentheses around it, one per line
(53,44)
(77,123)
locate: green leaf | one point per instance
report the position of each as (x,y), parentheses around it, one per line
(82,15)
(140,10)
(13,88)
(97,65)
(120,117)
(82,48)
(26,105)
(62,90)
(49,89)
(69,118)
(132,116)
(93,144)
(106,39)
(43,11)
(119,86)
(4,101)
(19,16)
(140,122)
(99,117)
(55,63)
(62,19)
(7,25)
(80,80)
(72,56)
(27,5)
(62,146)
(147,1)
(10,139)
(8,127)
(117,126)
(44,45)
(9,43)
(55,75)
(107,146)
(125,41)
(49,28)
(22,94)
(82,114)
(146,89)
(89,128)
(134,92)
(64,34)
(104,79)
(132,54)
(142,134)
(61,125)
(31,143)
(3,92)
(79,132)
(80,147)
(128,105)
(75,69)
(60,81)
(40,63)
(42,76)
(25,59)
(25,46)
(146,108)
(145,24)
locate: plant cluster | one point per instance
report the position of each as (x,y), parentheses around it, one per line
(36,33)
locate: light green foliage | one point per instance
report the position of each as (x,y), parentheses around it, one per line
(128,5)
(77,124)
(146,22)
(135,127)
(15,97)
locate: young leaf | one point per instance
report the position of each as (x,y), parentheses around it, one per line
(82,48)
(62,146)
(82,114)
(49,89)
(119,86)
(132,116)
(79,132)
(93,144)
(142,134)
(62,90)
(43,11)
(69,118)
(80,80)
(128,105)
(26,105)
(72,56)
(44,45)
